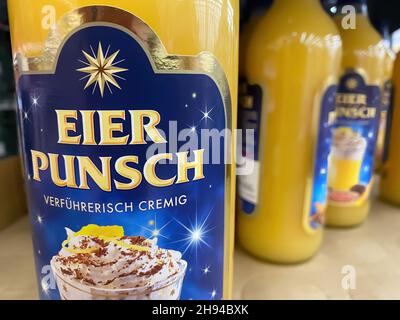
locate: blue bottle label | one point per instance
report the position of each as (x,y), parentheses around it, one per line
(250,118)
(351,162)
(384,124)
(121,208)
(249,115)
(319,191)
(387,95)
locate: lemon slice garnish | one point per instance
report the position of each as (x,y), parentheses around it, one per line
(96,231)
(108,234)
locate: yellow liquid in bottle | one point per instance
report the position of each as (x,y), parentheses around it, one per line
(185,28)
(390,179)
(245,34)
(363,51)
(291,54)
(343,173)
(386,103)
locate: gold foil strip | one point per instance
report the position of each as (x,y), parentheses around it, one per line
(203,63)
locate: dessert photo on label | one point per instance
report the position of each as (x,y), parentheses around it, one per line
(346,159)
(101,262)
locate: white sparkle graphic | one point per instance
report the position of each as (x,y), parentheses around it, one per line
(26,116)
(156,232)
(213,294)
(186,105)
(192,129)
(35,101)
(323,171)
(366,168)
(370,135)
(194,95)
(206,114)
(206,270)
(40,219)
(196,234)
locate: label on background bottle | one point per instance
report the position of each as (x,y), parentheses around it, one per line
(316,215)
(249,115)
(118,211)
(351,162)
(388,105)
(387,93)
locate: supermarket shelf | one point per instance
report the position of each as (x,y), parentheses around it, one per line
(373,249)
(17,270)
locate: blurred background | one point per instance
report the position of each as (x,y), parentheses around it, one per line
(370,252)
(383,14)
(11,190)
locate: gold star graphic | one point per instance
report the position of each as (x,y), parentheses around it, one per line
(352,84)
(101,69)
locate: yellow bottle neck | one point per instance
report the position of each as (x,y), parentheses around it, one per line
(295,5)
(360,9)
(362,21)
(344,12)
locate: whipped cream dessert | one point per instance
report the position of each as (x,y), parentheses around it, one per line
(348,144)
(111,263)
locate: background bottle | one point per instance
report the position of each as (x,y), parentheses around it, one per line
(381,18)
(254,11)
(292,59)
(11,184)
(357,109)
(390,175)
